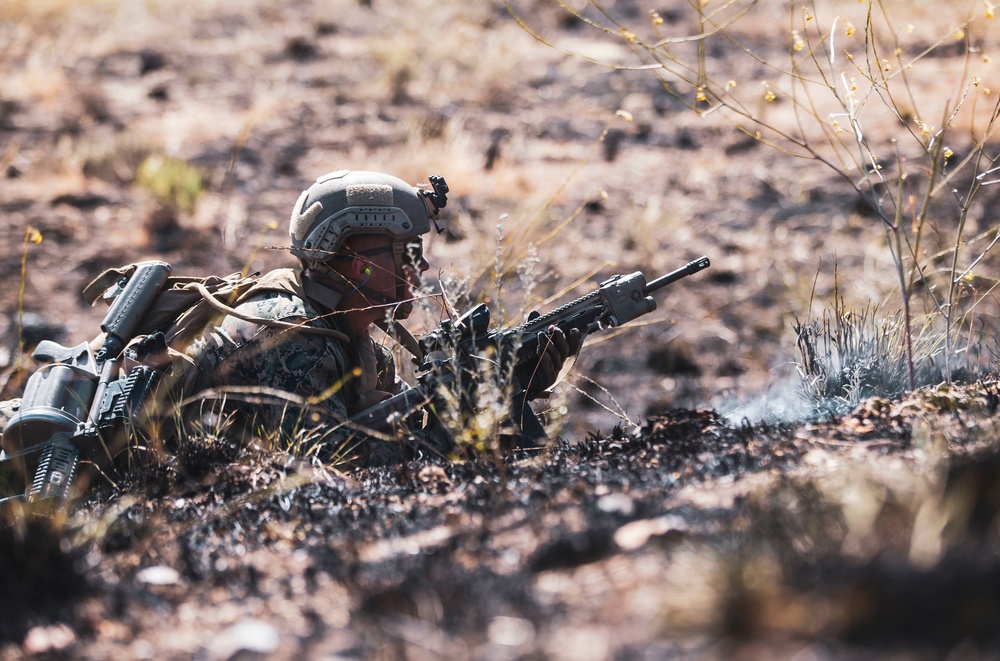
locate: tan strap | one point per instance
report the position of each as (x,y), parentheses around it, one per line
(270,323)
(104,281)
(368,380)
(281,280)
(399,333)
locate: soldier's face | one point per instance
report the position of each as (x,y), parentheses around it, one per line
(385,275)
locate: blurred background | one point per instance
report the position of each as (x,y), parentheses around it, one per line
(184,131)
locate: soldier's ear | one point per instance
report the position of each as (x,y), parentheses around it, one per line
(359,265)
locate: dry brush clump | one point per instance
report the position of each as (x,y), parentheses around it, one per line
(848,356)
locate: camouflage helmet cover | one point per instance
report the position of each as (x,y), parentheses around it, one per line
(343,203)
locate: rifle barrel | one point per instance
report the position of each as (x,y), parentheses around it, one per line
(684,271)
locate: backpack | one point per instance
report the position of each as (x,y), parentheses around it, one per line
(181,310)
(75,402)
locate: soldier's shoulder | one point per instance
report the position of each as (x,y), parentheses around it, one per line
(277,305)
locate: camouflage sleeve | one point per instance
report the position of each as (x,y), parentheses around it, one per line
(276,379)
(297,384)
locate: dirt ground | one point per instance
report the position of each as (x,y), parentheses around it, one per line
(684,509)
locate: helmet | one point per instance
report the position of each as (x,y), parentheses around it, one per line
(346,202)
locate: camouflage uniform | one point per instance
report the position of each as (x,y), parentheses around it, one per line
(252,361)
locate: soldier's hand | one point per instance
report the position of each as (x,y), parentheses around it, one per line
(536,371)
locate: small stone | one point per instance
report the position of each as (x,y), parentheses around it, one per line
(159,575)
(634,535)
(511,631)
(52,638)
(246,636)
(616,503)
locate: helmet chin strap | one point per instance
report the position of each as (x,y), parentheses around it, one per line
(398,247)
(346,287)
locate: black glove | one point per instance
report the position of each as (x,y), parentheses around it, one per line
(537,369)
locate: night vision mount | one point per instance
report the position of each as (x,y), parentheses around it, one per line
(439,198)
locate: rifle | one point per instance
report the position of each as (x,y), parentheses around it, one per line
(616,301)
(77,403)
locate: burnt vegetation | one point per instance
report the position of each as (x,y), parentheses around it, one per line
(441,556)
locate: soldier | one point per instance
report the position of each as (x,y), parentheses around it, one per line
(306,332)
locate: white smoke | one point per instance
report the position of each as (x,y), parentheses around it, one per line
(780,402)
